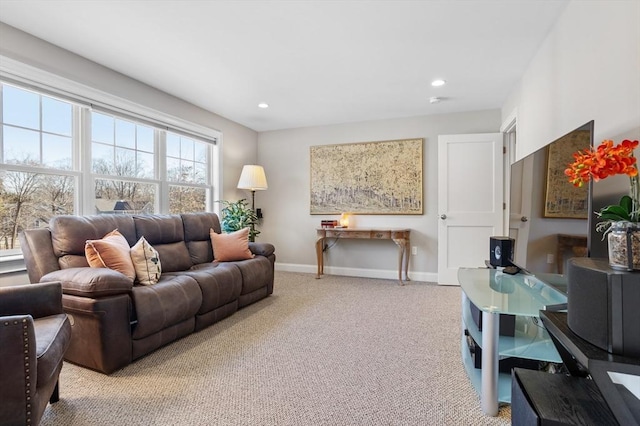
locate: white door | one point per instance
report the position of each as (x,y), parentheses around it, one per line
(470,200)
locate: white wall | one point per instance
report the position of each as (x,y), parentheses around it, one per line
(289,225)
(588,68)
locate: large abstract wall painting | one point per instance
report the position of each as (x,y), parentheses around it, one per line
(367,178)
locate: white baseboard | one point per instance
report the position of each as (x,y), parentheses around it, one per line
(386,274)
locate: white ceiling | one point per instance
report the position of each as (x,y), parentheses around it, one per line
(313,62)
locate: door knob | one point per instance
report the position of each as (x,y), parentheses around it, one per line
(524,219)
(443,216)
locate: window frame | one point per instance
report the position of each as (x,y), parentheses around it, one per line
(84,100)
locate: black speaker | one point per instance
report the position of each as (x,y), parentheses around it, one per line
(603,305)
(501,251)
(507,322)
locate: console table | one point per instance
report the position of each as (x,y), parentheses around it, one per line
(400,236)
(495,293)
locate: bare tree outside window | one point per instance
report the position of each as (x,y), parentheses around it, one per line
(29,200)
(121,195)
(184,199)
(122,149)
(187,161)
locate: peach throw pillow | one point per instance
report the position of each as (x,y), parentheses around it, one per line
(231,246)
(112,252)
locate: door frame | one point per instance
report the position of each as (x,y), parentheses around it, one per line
(509,130)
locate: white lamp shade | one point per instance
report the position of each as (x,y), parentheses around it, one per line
(252,178)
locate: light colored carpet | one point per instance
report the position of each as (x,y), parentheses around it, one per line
(334,351)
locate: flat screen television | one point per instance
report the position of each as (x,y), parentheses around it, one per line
(548,217)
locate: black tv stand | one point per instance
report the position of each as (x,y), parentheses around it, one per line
(558,398)
(581,356)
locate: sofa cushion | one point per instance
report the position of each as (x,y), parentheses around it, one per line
(166,234)
(90,282)
(200,251)
(256,273)
(159,229)
(198,225)
(70,233)
(146,262)
(196,235)
(231,246)
(220,283)
(113,252)
(172,300)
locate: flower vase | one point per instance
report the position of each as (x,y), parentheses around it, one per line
(624,246)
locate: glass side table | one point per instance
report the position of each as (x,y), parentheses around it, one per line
(495,293)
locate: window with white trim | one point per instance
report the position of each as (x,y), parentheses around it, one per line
(187,172)
(55,153)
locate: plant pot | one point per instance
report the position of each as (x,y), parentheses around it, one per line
(624,246)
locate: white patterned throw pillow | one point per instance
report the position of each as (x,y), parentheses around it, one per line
(146,262)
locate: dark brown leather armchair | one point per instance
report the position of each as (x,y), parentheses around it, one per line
(34,334)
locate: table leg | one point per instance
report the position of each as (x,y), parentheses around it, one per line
(402,253)
(489,375)
(407,253)
(320,256)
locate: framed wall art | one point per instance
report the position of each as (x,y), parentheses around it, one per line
(367,178)
(561,198)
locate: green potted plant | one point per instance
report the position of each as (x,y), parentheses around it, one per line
(238,215)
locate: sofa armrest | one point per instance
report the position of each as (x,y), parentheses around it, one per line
(91,282)
(262,249)
(37,249)
(40,300)
(17,351)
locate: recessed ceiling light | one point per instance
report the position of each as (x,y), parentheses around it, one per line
(438,83)
(263,105)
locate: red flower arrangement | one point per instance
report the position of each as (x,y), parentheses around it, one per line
(604,161)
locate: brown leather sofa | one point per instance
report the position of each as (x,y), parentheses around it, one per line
(34,334)
(115,321)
